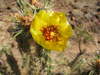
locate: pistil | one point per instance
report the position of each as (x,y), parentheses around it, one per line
(50,32)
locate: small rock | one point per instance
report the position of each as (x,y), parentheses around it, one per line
(85,9)
(88,16)
(93,12)
(91,3)
(78,5)
(13,10)
(77,12)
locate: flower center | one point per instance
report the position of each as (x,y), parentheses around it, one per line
(50,32)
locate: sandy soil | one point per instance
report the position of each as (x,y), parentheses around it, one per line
(78,12)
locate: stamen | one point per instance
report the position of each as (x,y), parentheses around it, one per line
(50,32)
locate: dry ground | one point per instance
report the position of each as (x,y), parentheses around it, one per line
(78,12)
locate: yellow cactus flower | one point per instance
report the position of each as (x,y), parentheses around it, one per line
(51,30)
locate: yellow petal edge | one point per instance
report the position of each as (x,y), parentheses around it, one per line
(44,19)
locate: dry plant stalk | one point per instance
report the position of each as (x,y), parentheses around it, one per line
(26,20)
(34,2)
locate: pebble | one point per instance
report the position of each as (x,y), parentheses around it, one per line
(77,12)
(85,9)
(78,5)
(88,16)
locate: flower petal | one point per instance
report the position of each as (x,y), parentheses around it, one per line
(58,18)
(44,19)
(43,15)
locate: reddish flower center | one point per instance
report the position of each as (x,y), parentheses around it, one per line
(50,32)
